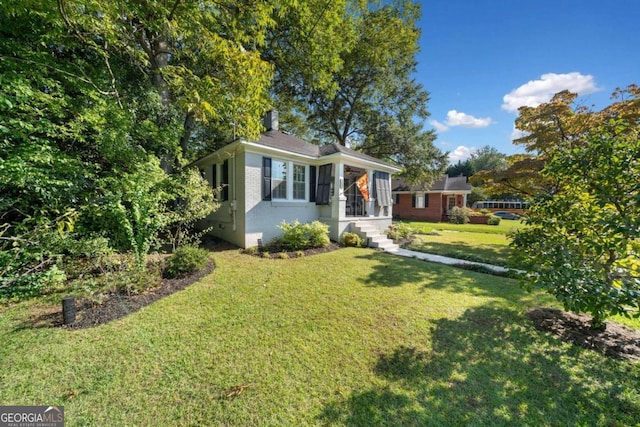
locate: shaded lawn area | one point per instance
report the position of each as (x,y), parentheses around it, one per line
(351,337)
(472,246)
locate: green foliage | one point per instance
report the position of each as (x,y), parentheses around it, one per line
(304,236)
(185,260)
(493,220)
(351,239)
(378,107)
(399,231)
(138,202)
(30,256)
(194,199)
(582,243)
(251,250)
(459,215)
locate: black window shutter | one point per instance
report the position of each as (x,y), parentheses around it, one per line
(413,200)
(312,183)
(324,185)
(224,180)
(214,176)
(426,200)
(266,178)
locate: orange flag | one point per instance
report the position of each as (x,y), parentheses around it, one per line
(363,186)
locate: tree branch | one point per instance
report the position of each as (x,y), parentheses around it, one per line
(82,79)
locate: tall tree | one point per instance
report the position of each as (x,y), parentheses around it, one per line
(378,107)
(488,158)
(582,242)
(544,127)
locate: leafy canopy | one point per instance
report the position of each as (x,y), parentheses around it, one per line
(583,240)
(376,106)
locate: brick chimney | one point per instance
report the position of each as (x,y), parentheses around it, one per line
(271,120)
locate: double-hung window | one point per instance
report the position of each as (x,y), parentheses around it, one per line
(278,179)
(420,200)
(299,182)
(286,180)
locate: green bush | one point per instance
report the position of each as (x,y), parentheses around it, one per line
(318,234)
(459,215)
(399,230)
(251,250)
(184,261)
(493,220)
(299,236)
(30,257)
(351,239)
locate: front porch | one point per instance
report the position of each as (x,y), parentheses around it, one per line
(350,206)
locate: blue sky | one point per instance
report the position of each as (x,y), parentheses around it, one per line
(481,59)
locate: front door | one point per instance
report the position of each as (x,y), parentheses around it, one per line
(451,203)
(355,201)
(356,205)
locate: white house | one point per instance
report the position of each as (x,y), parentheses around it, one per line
(282,178)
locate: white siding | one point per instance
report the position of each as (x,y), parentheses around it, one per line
(262,217)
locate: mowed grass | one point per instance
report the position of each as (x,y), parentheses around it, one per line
(351,337)
(503,228)
(481,247)
(473,242)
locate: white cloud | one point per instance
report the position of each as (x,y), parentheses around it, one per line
(455,118)
(440,127)
(536,92)
(461,153)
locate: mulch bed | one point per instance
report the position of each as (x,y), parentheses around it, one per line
(276,253)
(615,340)
(117,306)
(113,306)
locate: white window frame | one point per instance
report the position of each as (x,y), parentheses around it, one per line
(305,182)
(286,179)
(289,175)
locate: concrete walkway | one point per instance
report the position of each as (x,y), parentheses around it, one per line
(444,260)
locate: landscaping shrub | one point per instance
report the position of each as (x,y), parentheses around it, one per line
(251,250)
(399,230)
(299,236)
(351,239)
(459,215)
(493,220)
(184,261)
(318,234)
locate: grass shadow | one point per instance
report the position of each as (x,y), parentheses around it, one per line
(490,367)
(392,271)
(488,253)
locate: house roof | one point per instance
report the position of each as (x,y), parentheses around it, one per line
(444,184)
(282,141)
(288,142)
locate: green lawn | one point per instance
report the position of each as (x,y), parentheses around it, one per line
(481,247)
(351,337)
(504,227)
(473,242)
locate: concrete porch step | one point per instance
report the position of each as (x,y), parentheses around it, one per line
(373,237)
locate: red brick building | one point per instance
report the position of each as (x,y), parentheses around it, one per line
(429,204)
